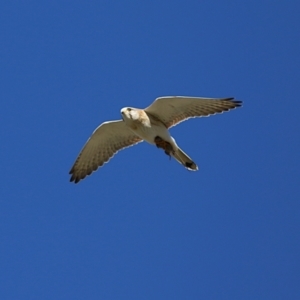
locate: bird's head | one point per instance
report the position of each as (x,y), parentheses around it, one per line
(129,113)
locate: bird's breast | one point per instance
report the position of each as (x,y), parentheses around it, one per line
(148,128)
(149,133)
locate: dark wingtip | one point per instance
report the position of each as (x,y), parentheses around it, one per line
(75,179)
(72,170)
(237,103)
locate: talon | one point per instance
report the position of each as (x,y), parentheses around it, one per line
(160,143)
(168,153)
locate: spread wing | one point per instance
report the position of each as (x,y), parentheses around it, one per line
(173,110)
(106,140)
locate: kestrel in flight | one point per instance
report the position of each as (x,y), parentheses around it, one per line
(151,125)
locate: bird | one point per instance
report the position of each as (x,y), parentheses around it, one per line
(152,125)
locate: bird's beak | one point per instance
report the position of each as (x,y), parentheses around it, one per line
(122,114)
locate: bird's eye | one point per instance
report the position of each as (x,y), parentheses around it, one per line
(129,109)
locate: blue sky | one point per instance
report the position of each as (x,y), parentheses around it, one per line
(142,227)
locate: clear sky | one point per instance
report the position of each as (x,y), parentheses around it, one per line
(143,227)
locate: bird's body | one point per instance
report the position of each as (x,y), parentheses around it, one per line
(150,125)
(153,131)
(144,125)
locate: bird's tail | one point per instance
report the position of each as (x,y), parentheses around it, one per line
(183,158)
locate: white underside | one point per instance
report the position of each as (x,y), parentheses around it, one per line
(149,133)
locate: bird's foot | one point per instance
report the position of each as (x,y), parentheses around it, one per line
(160,143)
